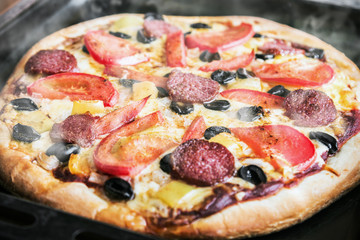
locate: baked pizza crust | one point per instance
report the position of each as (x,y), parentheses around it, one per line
(255,217)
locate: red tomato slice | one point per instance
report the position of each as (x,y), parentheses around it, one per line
(119,117)
(107,162)
(196,129)
(283,145)
(108,49)
(230,64)
(121,72)
(75,86)
(295,73)
(175,50)
(253,97)
(220,40)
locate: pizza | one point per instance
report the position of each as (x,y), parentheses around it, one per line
(184,127)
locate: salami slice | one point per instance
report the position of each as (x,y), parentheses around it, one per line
(51,62)
(157,28)
(190,88)
(309,108)
(202,163)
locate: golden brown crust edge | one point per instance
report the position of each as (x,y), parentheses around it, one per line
(261,216)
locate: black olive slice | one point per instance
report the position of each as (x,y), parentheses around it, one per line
(181,108)
(207,56)
(258,35)
(218,105)
(253,174)
(250,114)
(215,130)
(243,73)
(25,133)
(279,90)
(165,163)
(84,49)
(118,189)
(153,16)
(24,104)
(187,33)
(120,35)
(199,25)
(62,151)
(128,82)
(162,92)
(167,75)
(326,139)
(315,53)
(223,77)
(264,56)
(141,37)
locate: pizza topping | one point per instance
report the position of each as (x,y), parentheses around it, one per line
(223,77)
(121,52)
(217,105)
(157,28)
(195,130)
(281,145)
(253,97)
(296,73)
(250,114)
(51,62)
(229,64)
(326,139)
(242,73)
(264,56)
(62,151)
(279,47)
(130,163)
(124,73)
(79,129)
(309,108)
(120,35)
(165,163)
(84,106)
(352,119)
(311,52)
(144,38)
(118,189)
(24,104)
(25,133)
(220,40)
(162,92)
(199,25)
(215,130)
(259,35)
(175,50)
(76,86)
(84,49)
(118,117)
(202,163)
(207,56)
(181,108)
(190,88)
(253,174)
(279,90)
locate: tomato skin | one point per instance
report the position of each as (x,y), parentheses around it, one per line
(119,117)
(283,145)
(175,50)
(75,86)
(253,97)
(230,64)
(108,49)
(106,162)
(196,129)
(221,40)
(295,73)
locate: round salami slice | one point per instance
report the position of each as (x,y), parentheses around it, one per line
(157,28)
(190,88)
(202,163)
(51,62)
(77,129)
(309,108)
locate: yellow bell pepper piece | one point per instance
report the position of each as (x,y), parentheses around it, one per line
(92,106)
